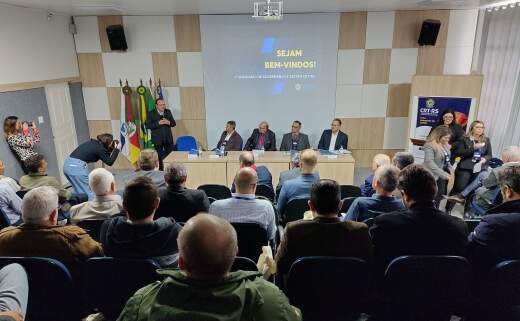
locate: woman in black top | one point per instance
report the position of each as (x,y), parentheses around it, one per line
(475,152)
(447,118)
(104,148)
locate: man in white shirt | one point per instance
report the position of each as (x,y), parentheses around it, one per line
(230,139)
(333,138)
(106,202)
(243,207)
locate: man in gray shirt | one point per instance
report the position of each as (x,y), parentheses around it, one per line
(243,207)
(148,165)
(10,203)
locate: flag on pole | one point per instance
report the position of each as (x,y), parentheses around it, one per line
(129,133)
(158,91)
(145,103)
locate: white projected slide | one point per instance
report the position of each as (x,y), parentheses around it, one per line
(276,71)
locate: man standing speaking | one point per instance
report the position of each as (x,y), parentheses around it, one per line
(160,121)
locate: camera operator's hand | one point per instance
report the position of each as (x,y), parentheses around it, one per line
(117,145)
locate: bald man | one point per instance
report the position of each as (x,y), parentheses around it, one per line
(379,160)
(204,288)
(247,159)
(243,207)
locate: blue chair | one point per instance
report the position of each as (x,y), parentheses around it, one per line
(251,237)
(51,289)
(109,282)
(92,227)
(216,191)
(186,143)
(244,264)
(427,287)
(328,288)
(294,210)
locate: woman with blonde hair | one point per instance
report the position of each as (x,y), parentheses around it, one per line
(474,152)
(21,137)
(437,158)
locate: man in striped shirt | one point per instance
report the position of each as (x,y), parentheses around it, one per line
(243,207)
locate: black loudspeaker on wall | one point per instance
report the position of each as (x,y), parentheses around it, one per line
(429,32)
(116,37)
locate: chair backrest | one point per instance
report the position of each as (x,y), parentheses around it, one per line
(350,191)
(4,220)
(472,224)
(51,290)
(295,209)
(328,288)
(109,282)
(251,237)
(433,287)
(265,191)
(92,227)
(216,191)
(244,264)
(505,285)
(186,143)
(369,221)
(21,193)
(346,203)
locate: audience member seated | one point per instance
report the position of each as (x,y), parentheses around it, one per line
(10,203)
(148,165)
(377,161)
(325,235)
(138,235)
(383,201)
(243,207)
(14,292)
(299,187)
(402,159)
(41,236)
(247,159)
(421,229)
(496,238)
(37,176)
(203,288)
(177,201)
(294,172)
(105,203)
(6,179)
(486,184)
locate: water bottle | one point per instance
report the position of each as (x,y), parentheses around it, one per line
(221,150)
(341,151)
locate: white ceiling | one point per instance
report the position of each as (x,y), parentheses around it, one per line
(170,7)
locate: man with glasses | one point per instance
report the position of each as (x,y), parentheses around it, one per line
(262,138)
(333,138)
(295,140)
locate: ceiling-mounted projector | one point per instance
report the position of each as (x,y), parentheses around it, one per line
(268,10)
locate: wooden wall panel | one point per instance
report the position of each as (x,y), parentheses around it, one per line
(187,33)
(398,100)
(165,68)
(103,23)
(407,27)
(364,133)
(352,30)
(364,157)
(96,127)
(192,103)
(91,70)
(192,127)
(430,61)
(114,102)
(377,66)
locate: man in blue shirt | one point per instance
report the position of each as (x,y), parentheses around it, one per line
(300,186)
(378,161)
(385,182)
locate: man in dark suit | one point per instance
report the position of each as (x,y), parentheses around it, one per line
(160,121)
(177,201)
(261,138)
(325,234)
(333,138)
(230,139)
(421,229)
(496,238)
(295,140)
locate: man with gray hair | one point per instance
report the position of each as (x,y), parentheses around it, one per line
(402,159)
(105,203)
(382,201)
(148,165)
(41,236)
(177,201)
(496,238)
(243,207)
(203,287)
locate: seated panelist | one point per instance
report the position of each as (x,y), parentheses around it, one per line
(261,138)
(333,138)
(295,140)
(230,139)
